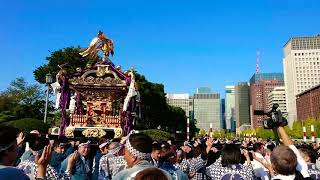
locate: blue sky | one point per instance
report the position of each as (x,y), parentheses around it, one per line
(182,44)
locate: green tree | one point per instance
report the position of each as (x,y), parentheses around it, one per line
(264,133)
(69,56)
(153,104)
(222,133)
(202,133)
(157,134)
(29,124)
(230,135)
(216,134)
(21,100)
(296,130)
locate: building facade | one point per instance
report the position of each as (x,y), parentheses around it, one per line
(308,103)
(260,86)
(301,69)
(183,101)
(207,109)
(242,111)
(229,107)
(278,95)
(223,114)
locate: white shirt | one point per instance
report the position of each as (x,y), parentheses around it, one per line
(259,169)
(302,166)
(283,177)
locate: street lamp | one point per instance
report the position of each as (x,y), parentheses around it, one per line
(48,82)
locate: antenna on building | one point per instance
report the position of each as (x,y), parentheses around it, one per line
(257,64)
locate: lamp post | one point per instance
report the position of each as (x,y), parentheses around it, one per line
(48,82)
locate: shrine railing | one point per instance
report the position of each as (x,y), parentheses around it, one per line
(79,120)
(107,121)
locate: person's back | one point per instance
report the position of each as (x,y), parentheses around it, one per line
(30,169)
(167,161)
(229,165)
(137,153)
(12,173)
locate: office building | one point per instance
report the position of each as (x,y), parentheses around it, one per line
(242,115)
(301,60)
(207,109)
(229,107)
(278,96)
(180,100)
(260,86)
(308,103)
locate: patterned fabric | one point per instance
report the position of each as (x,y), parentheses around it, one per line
(313,171)
(30,169)
(236,171)
(200,175)
(27,155)
(110,165)
(185,166)
(175,173)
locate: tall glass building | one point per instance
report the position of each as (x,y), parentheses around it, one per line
(242,110)
(266,76)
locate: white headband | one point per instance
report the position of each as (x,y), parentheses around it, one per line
(86,143)
(134,152)
(115,150)
(103,145)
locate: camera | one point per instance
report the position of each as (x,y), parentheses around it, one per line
(275,118)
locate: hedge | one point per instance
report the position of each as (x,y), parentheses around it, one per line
(156,134)
(29,124)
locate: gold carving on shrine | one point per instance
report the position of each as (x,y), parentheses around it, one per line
(117,132)
(93,133)
(69,131)
(90,80)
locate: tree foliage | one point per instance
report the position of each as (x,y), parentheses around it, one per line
(155,110)
(21,100)
(29,124)
(202,133)
(157,134)
(216,134)
(69,56)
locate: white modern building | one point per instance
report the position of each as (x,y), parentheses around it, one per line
(207,109)
(278,95)
(180,100)
(301,69)
(229,107)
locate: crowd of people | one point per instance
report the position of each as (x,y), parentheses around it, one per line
(137,156)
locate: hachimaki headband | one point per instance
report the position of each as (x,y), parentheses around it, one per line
(135,152)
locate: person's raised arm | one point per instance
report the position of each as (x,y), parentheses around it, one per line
(284,136)
(43,161)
